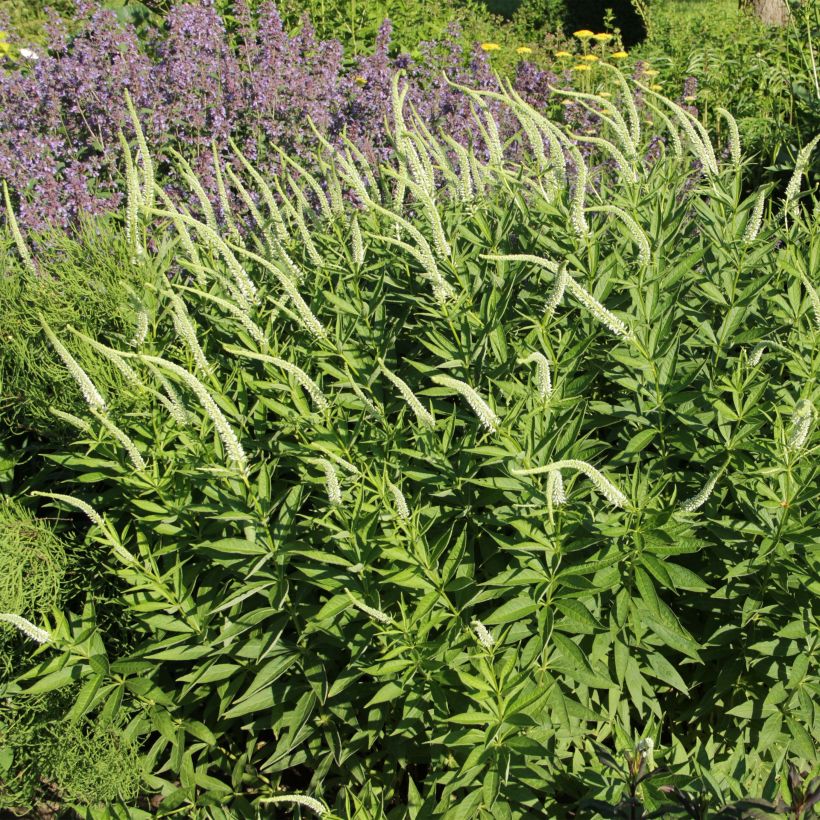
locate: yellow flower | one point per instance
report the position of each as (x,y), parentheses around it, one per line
(580,67)
(590,58)
(523,50)
(655,87)
(490,46)
(360,80)
(604,93)
(651,72)
(603,37)
(583,34)
(562,54)
(619,55)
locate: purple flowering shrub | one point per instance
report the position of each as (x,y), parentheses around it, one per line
(197,83)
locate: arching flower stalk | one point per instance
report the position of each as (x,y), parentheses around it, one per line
(26,627)
(555,488)
(254,331)
(423,416)
(543,370)
(123,438)
(375,614)
(483,411)
(91,394)
(734,135)
(400,502)
(802,419)
(311,803)
(77,503)
(604,486)
(635,230)
(334,490)
(310,386)
(226,434)
(696,501)
(755,219)
(186,331)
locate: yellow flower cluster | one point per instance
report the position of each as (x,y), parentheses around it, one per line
(490,46)
(4,46)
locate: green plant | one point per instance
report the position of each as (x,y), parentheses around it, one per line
(429,500)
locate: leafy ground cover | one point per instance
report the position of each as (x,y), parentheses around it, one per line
(478,482)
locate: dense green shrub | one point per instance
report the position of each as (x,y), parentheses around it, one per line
(443,501)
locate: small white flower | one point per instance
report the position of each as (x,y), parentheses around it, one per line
(89,390)
(26,627)
(604,486)
(83,506)
(755,219)
(28,54)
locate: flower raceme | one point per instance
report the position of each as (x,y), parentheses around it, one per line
(604,486)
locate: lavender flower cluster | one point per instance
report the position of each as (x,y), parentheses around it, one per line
(196,82)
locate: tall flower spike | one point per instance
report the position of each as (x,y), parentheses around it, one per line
(696,501)
(801,424)
(26,627)
(755,219)
(543,369)
(334,491)
(22,248)
(402,510)
(113,356)
(141,328)
(357,244)
(186,331)
(145,154)
(226,434)
(304,380)
(122,437)
(604,486)
(482,410)
(423,416)
(555,488)
(254,331)
(734,135)
(89,390)
(635,231)
(79,504)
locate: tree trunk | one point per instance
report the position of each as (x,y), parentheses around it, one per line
(771,12)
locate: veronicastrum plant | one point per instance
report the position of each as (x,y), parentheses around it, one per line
(514,460)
